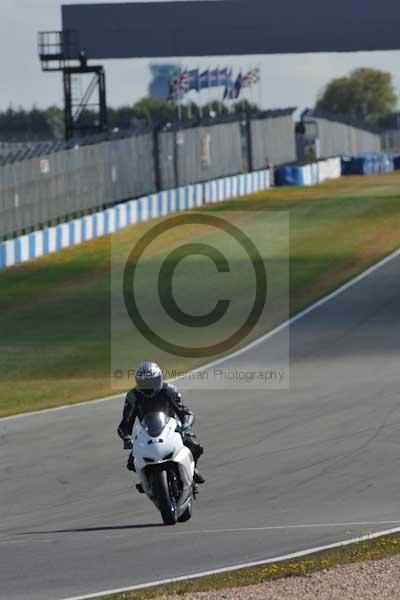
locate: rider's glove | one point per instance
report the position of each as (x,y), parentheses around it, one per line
(186,427)
(128,443)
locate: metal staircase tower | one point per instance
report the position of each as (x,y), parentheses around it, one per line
(84,112)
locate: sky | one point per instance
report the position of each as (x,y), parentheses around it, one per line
(286,80)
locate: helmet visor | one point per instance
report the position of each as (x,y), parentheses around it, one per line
(149,385)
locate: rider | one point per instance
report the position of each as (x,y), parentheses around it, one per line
(152,394)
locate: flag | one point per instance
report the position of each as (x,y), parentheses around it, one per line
(256,75)
(194,79)
(204,78)
(247,81)
(223,77)
(228,85)
(237,87)
(214,78)
(173,88)
(251,78)
(184,81)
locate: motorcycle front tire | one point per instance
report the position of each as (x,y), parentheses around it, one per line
(187,515)
(165,502)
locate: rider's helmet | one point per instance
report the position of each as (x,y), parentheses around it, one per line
(149,378)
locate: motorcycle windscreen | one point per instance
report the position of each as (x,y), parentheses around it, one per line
(155,423)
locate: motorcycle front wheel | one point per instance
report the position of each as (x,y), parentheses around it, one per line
(187,515)
(164,499)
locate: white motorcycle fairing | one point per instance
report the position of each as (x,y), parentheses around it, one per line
(158,446)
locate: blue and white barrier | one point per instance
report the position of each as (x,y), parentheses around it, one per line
(39,243)
(370,163)
(232,187)
(310,174)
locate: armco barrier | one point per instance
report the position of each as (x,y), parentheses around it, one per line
(310,174)
(40,243)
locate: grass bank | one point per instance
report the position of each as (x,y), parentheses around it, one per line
(55,311)
(376,549)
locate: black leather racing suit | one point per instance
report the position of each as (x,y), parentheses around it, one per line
(167,400)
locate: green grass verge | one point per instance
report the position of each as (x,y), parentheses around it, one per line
(55,312)
(376,549)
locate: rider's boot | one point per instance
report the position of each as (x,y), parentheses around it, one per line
(197,450)
(198,478)
(130,465)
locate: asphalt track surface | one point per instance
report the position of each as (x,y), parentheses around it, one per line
(286,470)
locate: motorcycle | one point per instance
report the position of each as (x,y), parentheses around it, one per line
(165,467)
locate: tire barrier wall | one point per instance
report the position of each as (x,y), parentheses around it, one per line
(311,174)
(368,164)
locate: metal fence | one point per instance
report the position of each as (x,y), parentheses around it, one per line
(391,140)
(199,154)
(273,139)
(42,190)
(339,138)
(129,168)
(55,182)
(69,182)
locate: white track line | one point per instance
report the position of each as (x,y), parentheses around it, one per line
(258,563)
(253,344)
(61,408)
(284,527)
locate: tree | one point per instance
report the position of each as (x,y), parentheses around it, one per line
(245,107)
(365,95)
(155,111)
(55,119)
(214,109)
(36,124)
